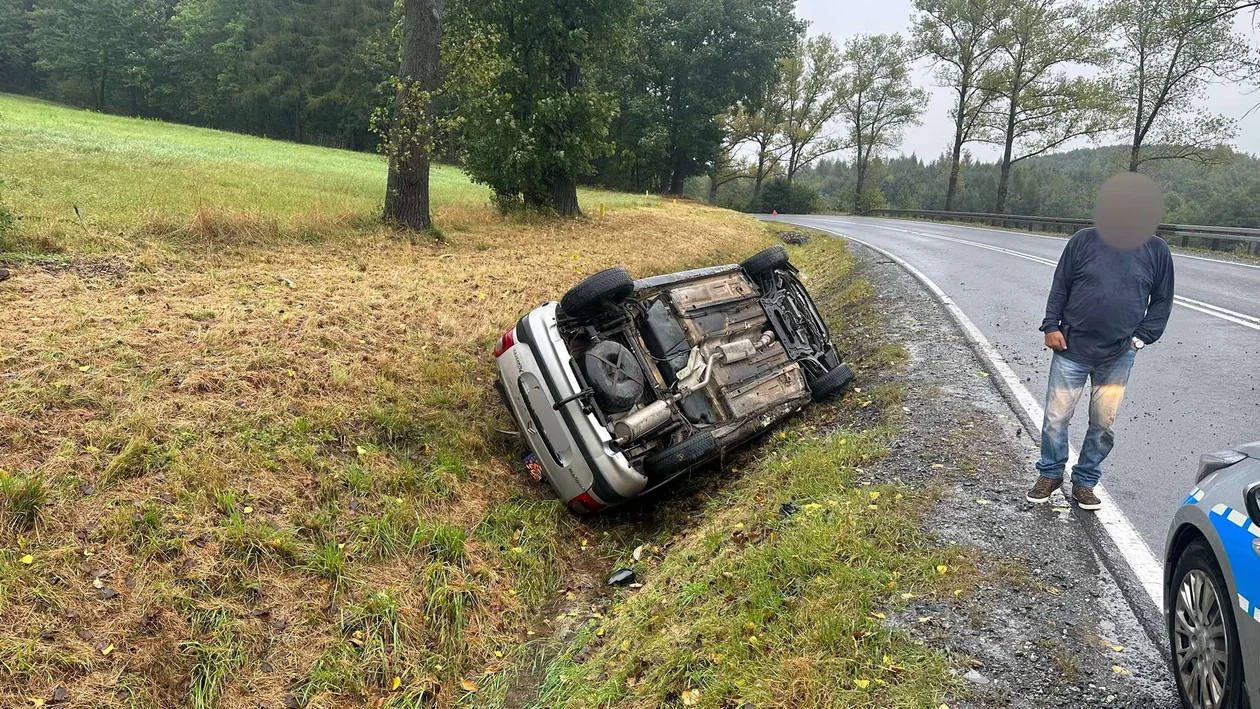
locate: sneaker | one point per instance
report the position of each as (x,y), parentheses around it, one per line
(1085,497)
(1043,489)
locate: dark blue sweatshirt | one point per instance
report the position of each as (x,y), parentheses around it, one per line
(1101,297)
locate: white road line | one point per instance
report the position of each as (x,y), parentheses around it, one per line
(1215,311)
(1123,534)
(1064,238)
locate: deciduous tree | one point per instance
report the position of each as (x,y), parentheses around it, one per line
(705,56)
(878,101)
(959,38)
(1169,52)
(759,126)
(532,118)
(1038,107)
(809,89)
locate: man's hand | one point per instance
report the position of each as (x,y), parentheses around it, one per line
(1055,341)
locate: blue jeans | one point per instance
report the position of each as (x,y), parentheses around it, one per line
(1067,381)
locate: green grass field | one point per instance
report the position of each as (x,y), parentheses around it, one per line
(248,454)
(132,179)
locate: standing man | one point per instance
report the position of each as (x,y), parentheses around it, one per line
(1111,297)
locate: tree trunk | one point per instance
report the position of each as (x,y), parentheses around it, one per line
(760,178)
(564,197)
(713,188)
(564,188)
(859,184)
(407,189)
(100,95)
(954,170)
(1136,148)
(680,173)
(956,157)
(1005,180)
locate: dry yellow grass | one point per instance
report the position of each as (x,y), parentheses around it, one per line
(246,442)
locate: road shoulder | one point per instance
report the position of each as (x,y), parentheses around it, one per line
(1049,627)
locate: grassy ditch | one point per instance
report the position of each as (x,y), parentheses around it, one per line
(779,595)
(248,437)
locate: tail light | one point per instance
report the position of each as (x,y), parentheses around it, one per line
(505,343)
(584,504)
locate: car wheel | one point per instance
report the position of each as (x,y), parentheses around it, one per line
(766,261)
(677,458)
(832,384)
(588,297)
(1206,658)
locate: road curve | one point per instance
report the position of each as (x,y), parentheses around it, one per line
(1197,390)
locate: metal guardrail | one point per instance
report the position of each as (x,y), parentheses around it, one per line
(1209,237)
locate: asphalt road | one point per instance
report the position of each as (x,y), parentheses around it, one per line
(1196,390)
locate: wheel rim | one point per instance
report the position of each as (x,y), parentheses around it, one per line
(1201,641)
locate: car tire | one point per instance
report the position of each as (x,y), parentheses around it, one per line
(588,297)
(677,458)
(764,262)
(1198,561)
(832,384)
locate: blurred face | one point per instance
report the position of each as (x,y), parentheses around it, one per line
(1129,209)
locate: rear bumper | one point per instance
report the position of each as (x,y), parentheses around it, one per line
(576,452)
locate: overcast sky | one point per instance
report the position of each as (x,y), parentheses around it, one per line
(844,18)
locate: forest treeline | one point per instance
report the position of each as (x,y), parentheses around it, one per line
(733,100)
(1223,192)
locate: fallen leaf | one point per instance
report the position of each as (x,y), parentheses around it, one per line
(637,553)
(1120,670)
(1118,648)
(84,368)
(35,701)
(107,649)
(881,616)
(942,569)
(957,592)
(360,450)
(862,683)
(467,686)
(690,697)
(28,560)
(395,684)
(248,510)
(874,495)
(907,596)
(981,502)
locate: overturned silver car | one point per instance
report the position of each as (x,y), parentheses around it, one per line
(624,385)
